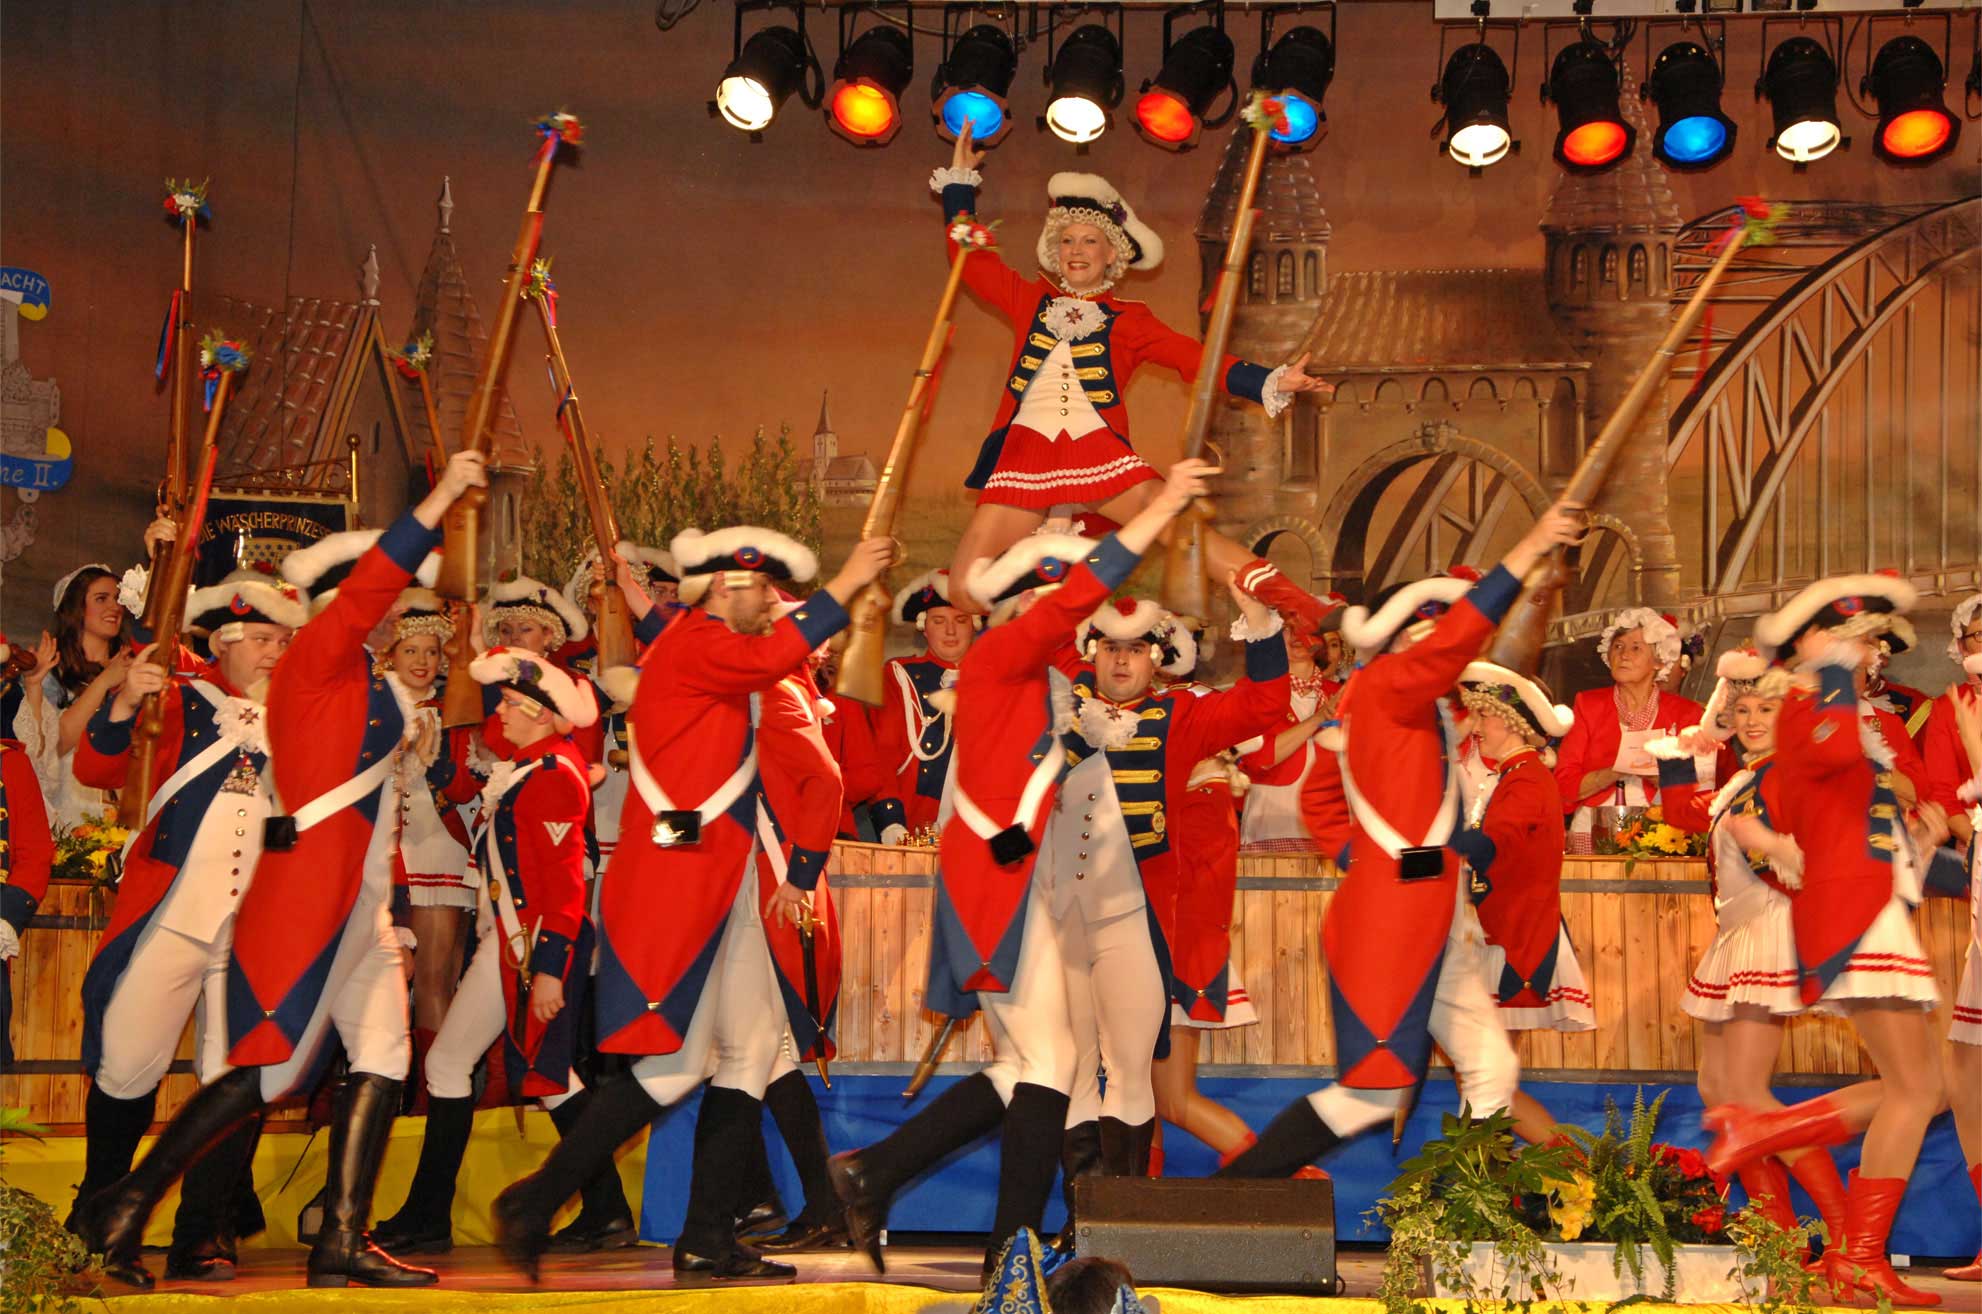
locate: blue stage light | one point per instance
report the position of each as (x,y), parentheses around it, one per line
(1694,140)
(984,114)
(1303,120)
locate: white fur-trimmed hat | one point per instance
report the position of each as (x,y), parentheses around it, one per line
(1487,687)
(420,610)
(526,596)
(1036,561)
(1968,609)
(651,562)
(534,677)
(744,547)
(1660,633)
(922,594)
(247,596)
(320,568)
(1127,620)
(1737,673)
(1851,606)
(1370,632)
(1088,198)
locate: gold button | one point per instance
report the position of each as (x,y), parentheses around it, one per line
(237,853)
(1090,798)
(1087,816)
(1080,875)
(234,891)
(1083,834)
(1083,855)
(239,832)
(1063,410)
(240,812)
(235,872)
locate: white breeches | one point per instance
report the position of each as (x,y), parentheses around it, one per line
(1465,1021)
(1032,1039)
(1116,1000)
(364,997)
(475,1020)
(739,1024)
(169,976)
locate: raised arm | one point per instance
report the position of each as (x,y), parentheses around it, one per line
(1255,704)
(986,272)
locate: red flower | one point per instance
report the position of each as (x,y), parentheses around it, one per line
(1710,1218)
(1690,1162)
(1755,207)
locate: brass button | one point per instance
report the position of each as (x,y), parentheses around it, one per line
(1080,875)
(237,853)
(1063,410)
(1083,855)
(1090,798)
(240,812)
(238,832)
(1083,834)
(235,872)
(373,721)
(1087,816)
(236,891)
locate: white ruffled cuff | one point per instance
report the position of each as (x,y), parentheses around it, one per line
(131,589)
(1243,633)
(950,176)
(1786,860)
(1970,791)
(1270,396)
(407,940)
(10,944)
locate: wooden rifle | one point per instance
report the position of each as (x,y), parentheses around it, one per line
(860,675)
(1184,585)
(461,530)
(181,381)
(612,622)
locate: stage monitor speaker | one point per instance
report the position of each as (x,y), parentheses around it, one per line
(1214,1233)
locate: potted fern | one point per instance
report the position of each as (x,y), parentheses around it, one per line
(1595,1216)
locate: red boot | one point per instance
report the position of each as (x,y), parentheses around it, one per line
(1816,1173)
(1746,1134)
(1263,580)
(1768,1191)
(1970,1272)
(1869,1206)
(1156,1151)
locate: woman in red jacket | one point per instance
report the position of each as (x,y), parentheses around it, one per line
(1602,761)
(1061,436)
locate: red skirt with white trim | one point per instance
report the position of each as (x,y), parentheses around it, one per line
(1037,472)
(1886,964)
(1967,1024)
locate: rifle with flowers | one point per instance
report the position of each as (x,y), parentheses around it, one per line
(221,361)
(614,626)
(186,207)
(415,362)
(867,627)
(462,530)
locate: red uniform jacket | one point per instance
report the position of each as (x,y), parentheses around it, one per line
(662,910)
(803,795)
(1516,857)
(1259,765)
(538,831)
(1384,936)
(329,720)
(849,736)
(1906,755)
(27,851)
(1941,749)
(1830,792)
(1005,726)
(1591,744)
(916,784)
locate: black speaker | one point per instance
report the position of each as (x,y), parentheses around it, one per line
(1214,1233)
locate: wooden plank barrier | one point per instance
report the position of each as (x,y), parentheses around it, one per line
(1638,928)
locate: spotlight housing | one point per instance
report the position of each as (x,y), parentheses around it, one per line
(767,69)
(1685,87)
(1593,134)
(971,84)
(864,102)
(1914,124)
(1475,89)
(1196,67)
(1298,68)
(1084,84)
(1800,82)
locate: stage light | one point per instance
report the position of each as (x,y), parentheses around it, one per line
(1196,67)
(970,87)
(1298,69)
(1685,86)
(1801,84)
(1085,84)
(864,105)
(769,67)
(1593,134)
(1474,90)
(1914,124)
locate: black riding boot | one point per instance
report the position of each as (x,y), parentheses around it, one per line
(360,1123)
(112,1222)
(424,1224)
(203,1230)
(113,1128)
(1294,1139)
(866,1180)
(1125,1148)
(1080,1156)
(761,1211)
(708,1247)
(619,1109)
(821,1225)
(605,1220)
(1035,1126)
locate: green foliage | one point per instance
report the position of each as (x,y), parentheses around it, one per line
(664,490)
(1770,1262)
(42,1266)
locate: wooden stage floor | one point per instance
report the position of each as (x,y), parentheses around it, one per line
(476,1270)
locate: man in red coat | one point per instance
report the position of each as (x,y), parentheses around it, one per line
(1941,747)
(314,944)
(1387,928)
(994,941)
(685,975)
(1513,849)
(27,851)
(526,983)
(913,726)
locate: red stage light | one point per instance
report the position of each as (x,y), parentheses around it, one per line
(862,111)
(1595,144)
(1165,117)
(1916,133)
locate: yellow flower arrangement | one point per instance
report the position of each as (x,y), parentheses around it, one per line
(84,851)
(1571,1204)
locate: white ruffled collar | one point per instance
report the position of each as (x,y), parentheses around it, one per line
(1105,725)
(1070,319)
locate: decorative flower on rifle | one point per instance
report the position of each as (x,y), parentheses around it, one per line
(965,231)
(413,359)
(537,283)
(186,200)
(1268,114)
(219,353)
(561,127)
